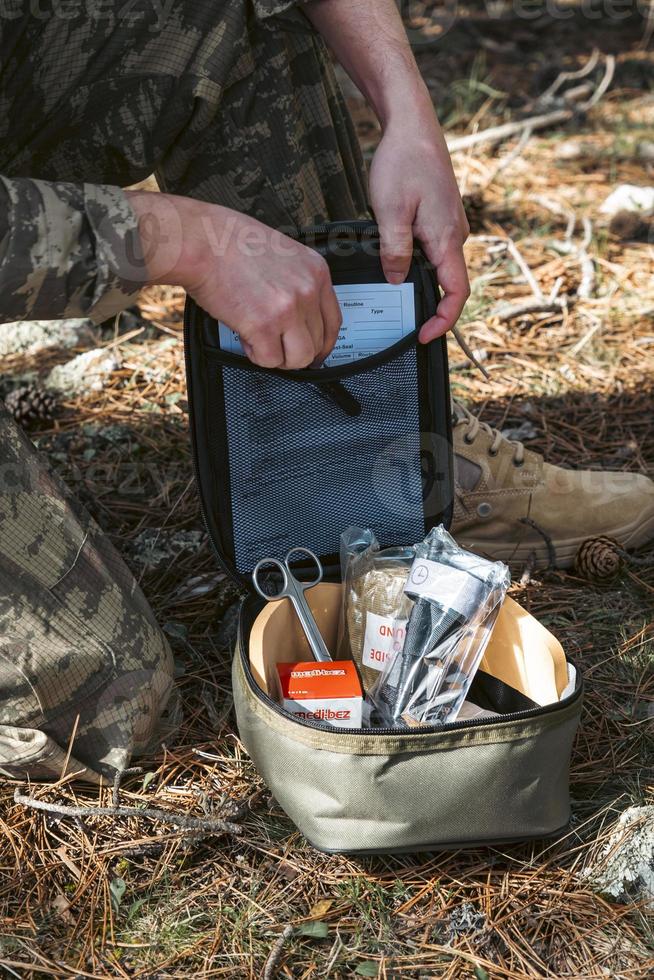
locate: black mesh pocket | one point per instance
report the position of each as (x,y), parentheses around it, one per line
(287,459)
(297,461)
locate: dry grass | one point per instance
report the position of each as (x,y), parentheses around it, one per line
(107,898)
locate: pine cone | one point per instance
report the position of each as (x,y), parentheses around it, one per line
(599,559)
(29,404)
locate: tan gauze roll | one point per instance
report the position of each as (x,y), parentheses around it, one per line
(373,588)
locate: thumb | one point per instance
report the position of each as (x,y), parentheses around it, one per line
(396,248)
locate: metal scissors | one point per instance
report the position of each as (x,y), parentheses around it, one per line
(293,588)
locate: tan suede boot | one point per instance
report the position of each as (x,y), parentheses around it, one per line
(510,503)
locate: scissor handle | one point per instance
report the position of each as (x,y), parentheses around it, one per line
(294,588)
(314,558)
(282,568)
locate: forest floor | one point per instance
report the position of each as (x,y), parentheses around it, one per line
(101,897)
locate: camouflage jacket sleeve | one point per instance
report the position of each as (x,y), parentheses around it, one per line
(271,8)
(66,250)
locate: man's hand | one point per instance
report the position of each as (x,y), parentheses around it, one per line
(276,293)
(413,193)
(412,185)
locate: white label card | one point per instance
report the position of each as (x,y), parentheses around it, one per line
(375,316)
(384,637)
(450,587)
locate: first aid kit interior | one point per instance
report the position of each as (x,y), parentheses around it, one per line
(391,694)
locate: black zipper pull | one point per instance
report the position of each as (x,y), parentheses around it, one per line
(339,395)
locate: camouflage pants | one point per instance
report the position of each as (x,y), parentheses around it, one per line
(225,104)
(83,664)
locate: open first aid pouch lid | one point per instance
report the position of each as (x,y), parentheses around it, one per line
(288,458)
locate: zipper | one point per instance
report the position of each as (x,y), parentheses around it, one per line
(323,376)
(328,377)
(452,726)
(232,574)
(359,227)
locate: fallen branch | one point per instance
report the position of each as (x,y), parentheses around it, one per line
(609,72)
(208,824)
(118,778)
(497,134)
(570,76)
(571,106)
(275,955)
(556,288)
(509,158)
(588,336)
(586,286)
(469,353)
(530,278)
(515,253)
(509,311)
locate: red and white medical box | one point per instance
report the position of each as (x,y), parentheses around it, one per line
(329,693)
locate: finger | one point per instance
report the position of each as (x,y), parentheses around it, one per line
(299,349)
(332,319)
(265,350)
(396,236)
(316,329)
(453,280)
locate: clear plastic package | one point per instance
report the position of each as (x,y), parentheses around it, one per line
(455,598)
(375,606)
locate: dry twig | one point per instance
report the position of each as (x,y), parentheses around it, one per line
(572,105)
(572,76)
(276,953)
(209,825)
(511,311)
(497,134)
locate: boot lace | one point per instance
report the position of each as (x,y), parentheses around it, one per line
(475,426)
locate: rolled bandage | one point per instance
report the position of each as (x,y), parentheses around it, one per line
(376,609)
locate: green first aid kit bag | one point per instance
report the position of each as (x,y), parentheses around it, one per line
(286,459)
